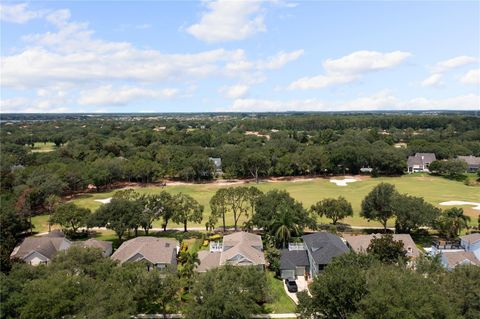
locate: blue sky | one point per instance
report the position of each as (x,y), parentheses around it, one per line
(272,55)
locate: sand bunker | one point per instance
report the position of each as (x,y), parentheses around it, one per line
(343,182)
(104,201)
(461,203)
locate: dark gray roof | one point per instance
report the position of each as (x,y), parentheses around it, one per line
(421,159)
(324,246)
(293,258)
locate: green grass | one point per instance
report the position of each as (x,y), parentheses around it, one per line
(40,147)
(40,223)
(434,189)
(281,302)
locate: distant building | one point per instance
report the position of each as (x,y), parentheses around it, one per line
(473,163)
(360,243)
(238,249)
(36,250)
(217,161)
(420,162)
(157,252)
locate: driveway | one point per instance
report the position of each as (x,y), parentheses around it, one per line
(301,284)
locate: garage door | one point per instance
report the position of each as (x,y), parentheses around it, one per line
(300,271)
(288,273)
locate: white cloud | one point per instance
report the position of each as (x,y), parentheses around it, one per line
(321,81)
(46,103)
(471,77)
(18,13)
(235,91)
(365,61)
(279,60)
(433,80)
(59,18)
(350,68)
(383,100)
(71,56)
(229,20)
(453,63)
(109,95)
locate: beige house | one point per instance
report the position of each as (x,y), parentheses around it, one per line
(157,252)
(41,250)
(360,243)
(238,249)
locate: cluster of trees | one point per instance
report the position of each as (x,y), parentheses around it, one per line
(364,286)
(410,212)
(105,150)
(128,210)
(452,168)
(81,283)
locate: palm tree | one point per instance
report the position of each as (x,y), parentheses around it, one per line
(189,262)
(452,221)
(457,219)
(284,227)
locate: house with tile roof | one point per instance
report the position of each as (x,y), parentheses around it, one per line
(360,243)
(321,248)
(36,250)
(452,259)
(294,261)
(238,249)
(103,245)
(420,162)
(157,252)
(473,163)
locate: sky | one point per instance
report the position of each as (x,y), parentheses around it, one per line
(239,56)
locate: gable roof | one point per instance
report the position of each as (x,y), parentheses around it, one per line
(155,250)
(360,243)
(248,245)
(292,258)
(324,246)
(471,238)
(55,233)
(456,258)
(421,159)
(46,246)
(470,160)
(95,243)
(208,260)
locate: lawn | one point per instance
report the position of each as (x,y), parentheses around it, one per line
(40,223)
(434,189)
(40,147)
(281,303)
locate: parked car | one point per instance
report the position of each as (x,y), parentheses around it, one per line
(291,285)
